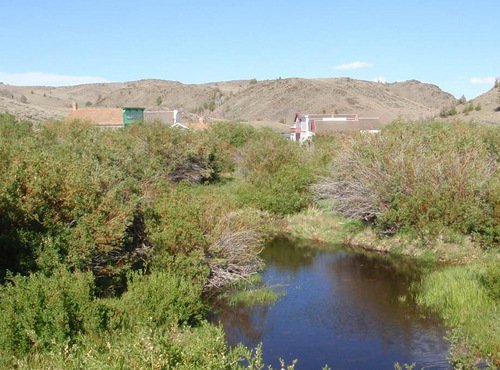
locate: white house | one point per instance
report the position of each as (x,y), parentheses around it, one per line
(306,125)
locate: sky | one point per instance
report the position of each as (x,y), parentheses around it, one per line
(452,44)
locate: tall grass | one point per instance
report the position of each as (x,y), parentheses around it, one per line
(466,305)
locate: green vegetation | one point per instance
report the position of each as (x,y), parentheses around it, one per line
(249,292)
(467,298)
(421,177)
(110,240)
(452,110)
(448,111)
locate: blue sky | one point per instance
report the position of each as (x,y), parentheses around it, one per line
(452,44)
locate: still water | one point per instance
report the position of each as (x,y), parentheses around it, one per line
(343,309)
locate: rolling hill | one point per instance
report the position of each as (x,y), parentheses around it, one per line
(270,102)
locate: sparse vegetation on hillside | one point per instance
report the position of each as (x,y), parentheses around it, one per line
(448,111)
(270,100)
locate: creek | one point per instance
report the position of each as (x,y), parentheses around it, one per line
(340,308)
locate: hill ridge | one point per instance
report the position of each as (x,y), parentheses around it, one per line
(246,100)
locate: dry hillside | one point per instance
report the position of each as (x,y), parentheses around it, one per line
(486,108)
(271,102)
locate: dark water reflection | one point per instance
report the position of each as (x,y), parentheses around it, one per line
(342,309)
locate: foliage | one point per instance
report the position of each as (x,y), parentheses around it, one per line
(164,298)
(448,111)
(55,322)
(463,301)
(229,240)
(420,176)
(138,209)
(72,194)
(491,279)
(226,138)
(109,239)
(277,172)
(233,134)
(40,312)
(468,108)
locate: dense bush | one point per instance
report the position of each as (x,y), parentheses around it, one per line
(448,111)
(491,279)
(39,312)
(229,239)
(72,194)
(420,176)
(277,172)
(56,322)
(225,138)
(139,211)
(164,298)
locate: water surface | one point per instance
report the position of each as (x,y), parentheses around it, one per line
(347,310)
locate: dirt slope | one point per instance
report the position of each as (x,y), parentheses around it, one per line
(272,102)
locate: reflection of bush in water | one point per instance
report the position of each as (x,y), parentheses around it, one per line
(242,323)
(290,253)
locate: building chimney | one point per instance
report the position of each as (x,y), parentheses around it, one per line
(74,105)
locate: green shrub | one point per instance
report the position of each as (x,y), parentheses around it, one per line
(232,134)
(77,193)
(491,279)
(420,176)
(225,138)
(40,312)
(175,224)
(468,108)
(448,111)
(167,297)
(278,173)
(202,347)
